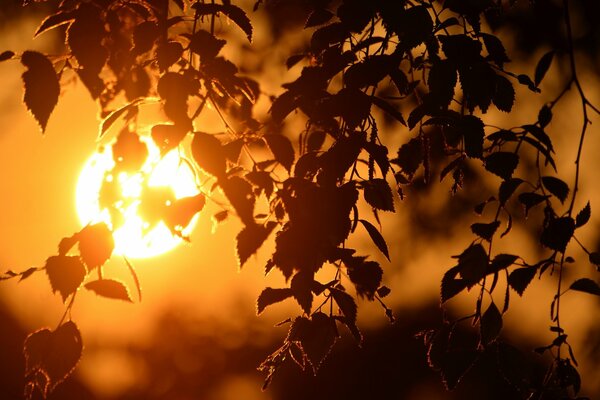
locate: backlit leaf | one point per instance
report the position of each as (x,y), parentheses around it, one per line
(502,163)
(473,263)
(376,237)
(6,55)
(451,286)
(557,234)
(557,187)
(96,244)
(490,324)
(543,66)
(586,285)
(583,216)
(65,274)
(240,195)
(250,239)
(53,21)
(316,336)
(209,154)
(54,353)
(271,296)
(366,276)
(485,231)
(507,188)
(282,149)
(109,288)
(379,195)
(41,86)
(234,13)
(520,278)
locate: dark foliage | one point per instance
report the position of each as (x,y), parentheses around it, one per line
(433,73)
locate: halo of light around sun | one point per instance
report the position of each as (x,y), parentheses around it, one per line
(134,237)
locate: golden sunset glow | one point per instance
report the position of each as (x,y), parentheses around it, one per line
(135,236)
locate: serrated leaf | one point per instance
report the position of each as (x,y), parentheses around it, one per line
(557,187)
(41,86)
(583,216)
(502,261)
(115,115)
(282,149)
(507,188)
(473,263)
(495,49)
(531,199)
(520,278)
(53,353)
(271,296)
(234,13)
(365,275)
(557,233)
(318,17)
(65,274)
(502,163)
(485,231)
(389,109)
(376,237)
(109,288)
(250,239)
(542,67)
(379,195)
(53,21)
(96,244)
(586,285)
(209,154)
(504,95)
(451,286)
(240,195)
(490,325)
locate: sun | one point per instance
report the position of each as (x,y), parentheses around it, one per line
(150,202)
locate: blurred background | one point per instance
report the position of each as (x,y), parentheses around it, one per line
(196,335)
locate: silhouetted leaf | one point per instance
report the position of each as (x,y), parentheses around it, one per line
(85,36)
(542,67)
(441,80)
(96,244)
(507,188)
(378,194)
(504,96)
(540,135)
(234,13)
(502,163)
(376,237)
(594,258)
(557,234)
(583,216)
(388,108)
(41,86)
(319,16)
(293,60)
(490,325)
(473,263)
(413,26)
(65,274)
(250,239)
(6,55)
(495,49)
(544,116)
(366,276)
(271,296)
(485,231)
(557,187)
(473,133)
(167,54)
(316,337)
(54,353)
(282,149)
(129,152)
(586,285)
(209,154)
(284,104)
(348,307)
(115,115)
(410,156)
(302,287)
(144,35)
(174,89)
(109,288)
(167,136)
(383,291)
(502,261)
(451,286)
(520,278)
(514,366)
(179,213)
(526,81)
(53,21)
(206,45)
(370,71)
(239,193)
(531,199)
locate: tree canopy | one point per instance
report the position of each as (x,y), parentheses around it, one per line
(389,97)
